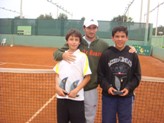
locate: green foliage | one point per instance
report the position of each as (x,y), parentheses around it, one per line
(62,16)
(48,17)
(18,17)
(83,18)
(122,18)
(160,30)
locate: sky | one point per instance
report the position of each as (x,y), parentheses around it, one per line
(104,10)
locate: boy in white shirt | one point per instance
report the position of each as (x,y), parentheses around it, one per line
(71,77)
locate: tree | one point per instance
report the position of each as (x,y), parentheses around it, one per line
(122,18)
(62,16)
(83,18)
(18,17)
(160,30)
(49,17)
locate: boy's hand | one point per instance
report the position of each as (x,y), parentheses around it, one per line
(111,90)
(73,93)
(125,92)
(60,91)
(68,56)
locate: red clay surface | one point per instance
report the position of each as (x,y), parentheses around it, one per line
(20,100)
(34,57)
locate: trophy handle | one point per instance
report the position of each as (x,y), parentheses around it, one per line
(63,83)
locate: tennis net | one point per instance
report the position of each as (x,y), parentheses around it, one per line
(28,96)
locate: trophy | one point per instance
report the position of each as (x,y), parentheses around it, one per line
(118,86)
(118,80)
(74,85)
(63,84)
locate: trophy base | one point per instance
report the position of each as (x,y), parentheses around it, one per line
(66,93)
(117,92)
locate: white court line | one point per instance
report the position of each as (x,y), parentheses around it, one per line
(23,70)
(45,105)
(152,79)
(26,64)
(2,63)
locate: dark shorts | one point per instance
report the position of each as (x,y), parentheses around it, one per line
(70,110)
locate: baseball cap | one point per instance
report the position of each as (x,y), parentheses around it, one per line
(88,22)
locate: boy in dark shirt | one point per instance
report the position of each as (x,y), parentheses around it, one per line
(119,74)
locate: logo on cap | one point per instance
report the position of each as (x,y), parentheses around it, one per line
(89,22)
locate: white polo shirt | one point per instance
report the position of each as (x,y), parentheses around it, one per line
(71,74)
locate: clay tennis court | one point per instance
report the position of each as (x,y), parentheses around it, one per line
(19,101)
(35,57)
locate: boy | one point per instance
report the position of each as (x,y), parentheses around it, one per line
(71,77)
(119,74)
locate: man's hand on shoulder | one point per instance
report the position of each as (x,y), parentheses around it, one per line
(68,56)
(132,49)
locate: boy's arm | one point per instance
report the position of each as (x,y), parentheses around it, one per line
(86,76)
(136,76)
(74,92)
(59,90)
(83,83)
(101,71)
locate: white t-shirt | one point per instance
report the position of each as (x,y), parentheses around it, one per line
(71,74)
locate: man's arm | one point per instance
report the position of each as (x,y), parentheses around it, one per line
(61,54)
(58,54)
(132,49)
